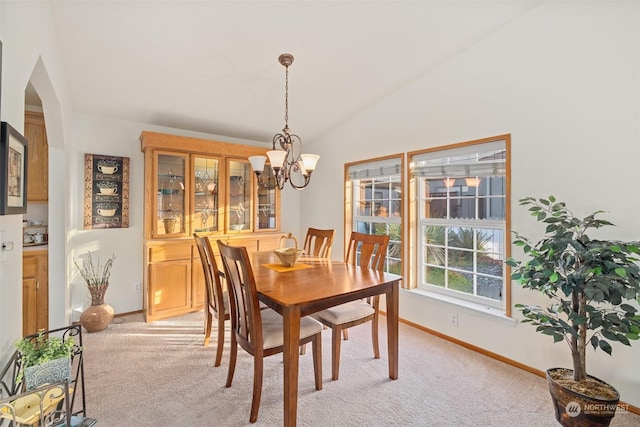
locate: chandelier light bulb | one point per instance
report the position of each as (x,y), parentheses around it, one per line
(276,158)
(257,162)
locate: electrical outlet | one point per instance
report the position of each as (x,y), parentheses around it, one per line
(136,287)
(453,318)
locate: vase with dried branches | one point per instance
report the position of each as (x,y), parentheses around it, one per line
(98,316)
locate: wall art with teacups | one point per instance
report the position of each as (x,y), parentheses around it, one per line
(106,191)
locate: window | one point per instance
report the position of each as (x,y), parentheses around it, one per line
(461,220)
(374,203)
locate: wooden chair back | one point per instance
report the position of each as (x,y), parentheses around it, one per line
(211,274)
(367,250)
(246,321)
(318,242)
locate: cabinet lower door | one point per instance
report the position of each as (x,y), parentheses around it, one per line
(35,294)
(169,289)
(199,286)
(29,306)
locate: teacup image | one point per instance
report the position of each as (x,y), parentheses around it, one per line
(107,170)
(38,238)
(108,167)
(106,212)
(28,238)
(107,187)
(106,209)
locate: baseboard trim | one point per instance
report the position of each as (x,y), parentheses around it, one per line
(116,315)
(129,313)
(496,356)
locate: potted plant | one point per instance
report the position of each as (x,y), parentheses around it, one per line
(44,359)
(589,282)
(97,316)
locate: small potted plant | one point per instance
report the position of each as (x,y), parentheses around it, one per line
(589,282)
(97,316)
(44,359)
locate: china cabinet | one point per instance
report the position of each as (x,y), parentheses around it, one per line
(199,186)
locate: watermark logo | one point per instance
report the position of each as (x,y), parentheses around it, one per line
(573,409)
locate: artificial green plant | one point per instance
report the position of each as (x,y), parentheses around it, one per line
(592,283)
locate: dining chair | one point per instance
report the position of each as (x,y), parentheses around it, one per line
(217,299)
(259,332)
(368,251)
(318,242)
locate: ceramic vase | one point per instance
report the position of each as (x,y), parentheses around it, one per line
(97,316)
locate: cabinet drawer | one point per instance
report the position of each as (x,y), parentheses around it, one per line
(169,252)
(29,267)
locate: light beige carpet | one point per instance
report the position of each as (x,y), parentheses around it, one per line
(159,374)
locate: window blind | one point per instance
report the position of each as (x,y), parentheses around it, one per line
(374,169)
(488,159)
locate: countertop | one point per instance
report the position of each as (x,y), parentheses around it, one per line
(35,248)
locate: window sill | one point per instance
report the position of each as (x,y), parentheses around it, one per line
(473,308)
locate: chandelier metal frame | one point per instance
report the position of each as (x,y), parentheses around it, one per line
(286,158)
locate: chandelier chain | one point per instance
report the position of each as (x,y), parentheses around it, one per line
(286,159)
(286,98)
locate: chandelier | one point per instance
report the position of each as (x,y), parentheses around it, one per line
(286,163)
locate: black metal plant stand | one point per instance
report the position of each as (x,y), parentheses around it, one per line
(73,406)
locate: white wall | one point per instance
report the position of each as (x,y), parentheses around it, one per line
(563,80)
(31,55)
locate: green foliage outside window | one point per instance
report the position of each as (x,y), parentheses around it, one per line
(461,244)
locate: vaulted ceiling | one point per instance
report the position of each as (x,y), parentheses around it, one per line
(211,66)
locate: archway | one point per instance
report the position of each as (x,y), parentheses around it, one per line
(40,85)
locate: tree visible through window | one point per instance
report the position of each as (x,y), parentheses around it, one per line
(376,199)
(461,214)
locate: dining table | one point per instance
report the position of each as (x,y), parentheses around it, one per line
(313,284)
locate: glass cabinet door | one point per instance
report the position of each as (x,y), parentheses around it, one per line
(267,204)
(240,197)
(206,215)
(170,191)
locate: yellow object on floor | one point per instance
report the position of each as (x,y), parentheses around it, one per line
(26,409)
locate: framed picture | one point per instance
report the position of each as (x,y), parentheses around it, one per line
(106,191)
(13,173)
(0,70)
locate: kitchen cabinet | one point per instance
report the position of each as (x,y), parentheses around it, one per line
(199,186)
(35,291)
(37,157)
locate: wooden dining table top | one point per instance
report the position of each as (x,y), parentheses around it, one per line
(312,285)
(325,283)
